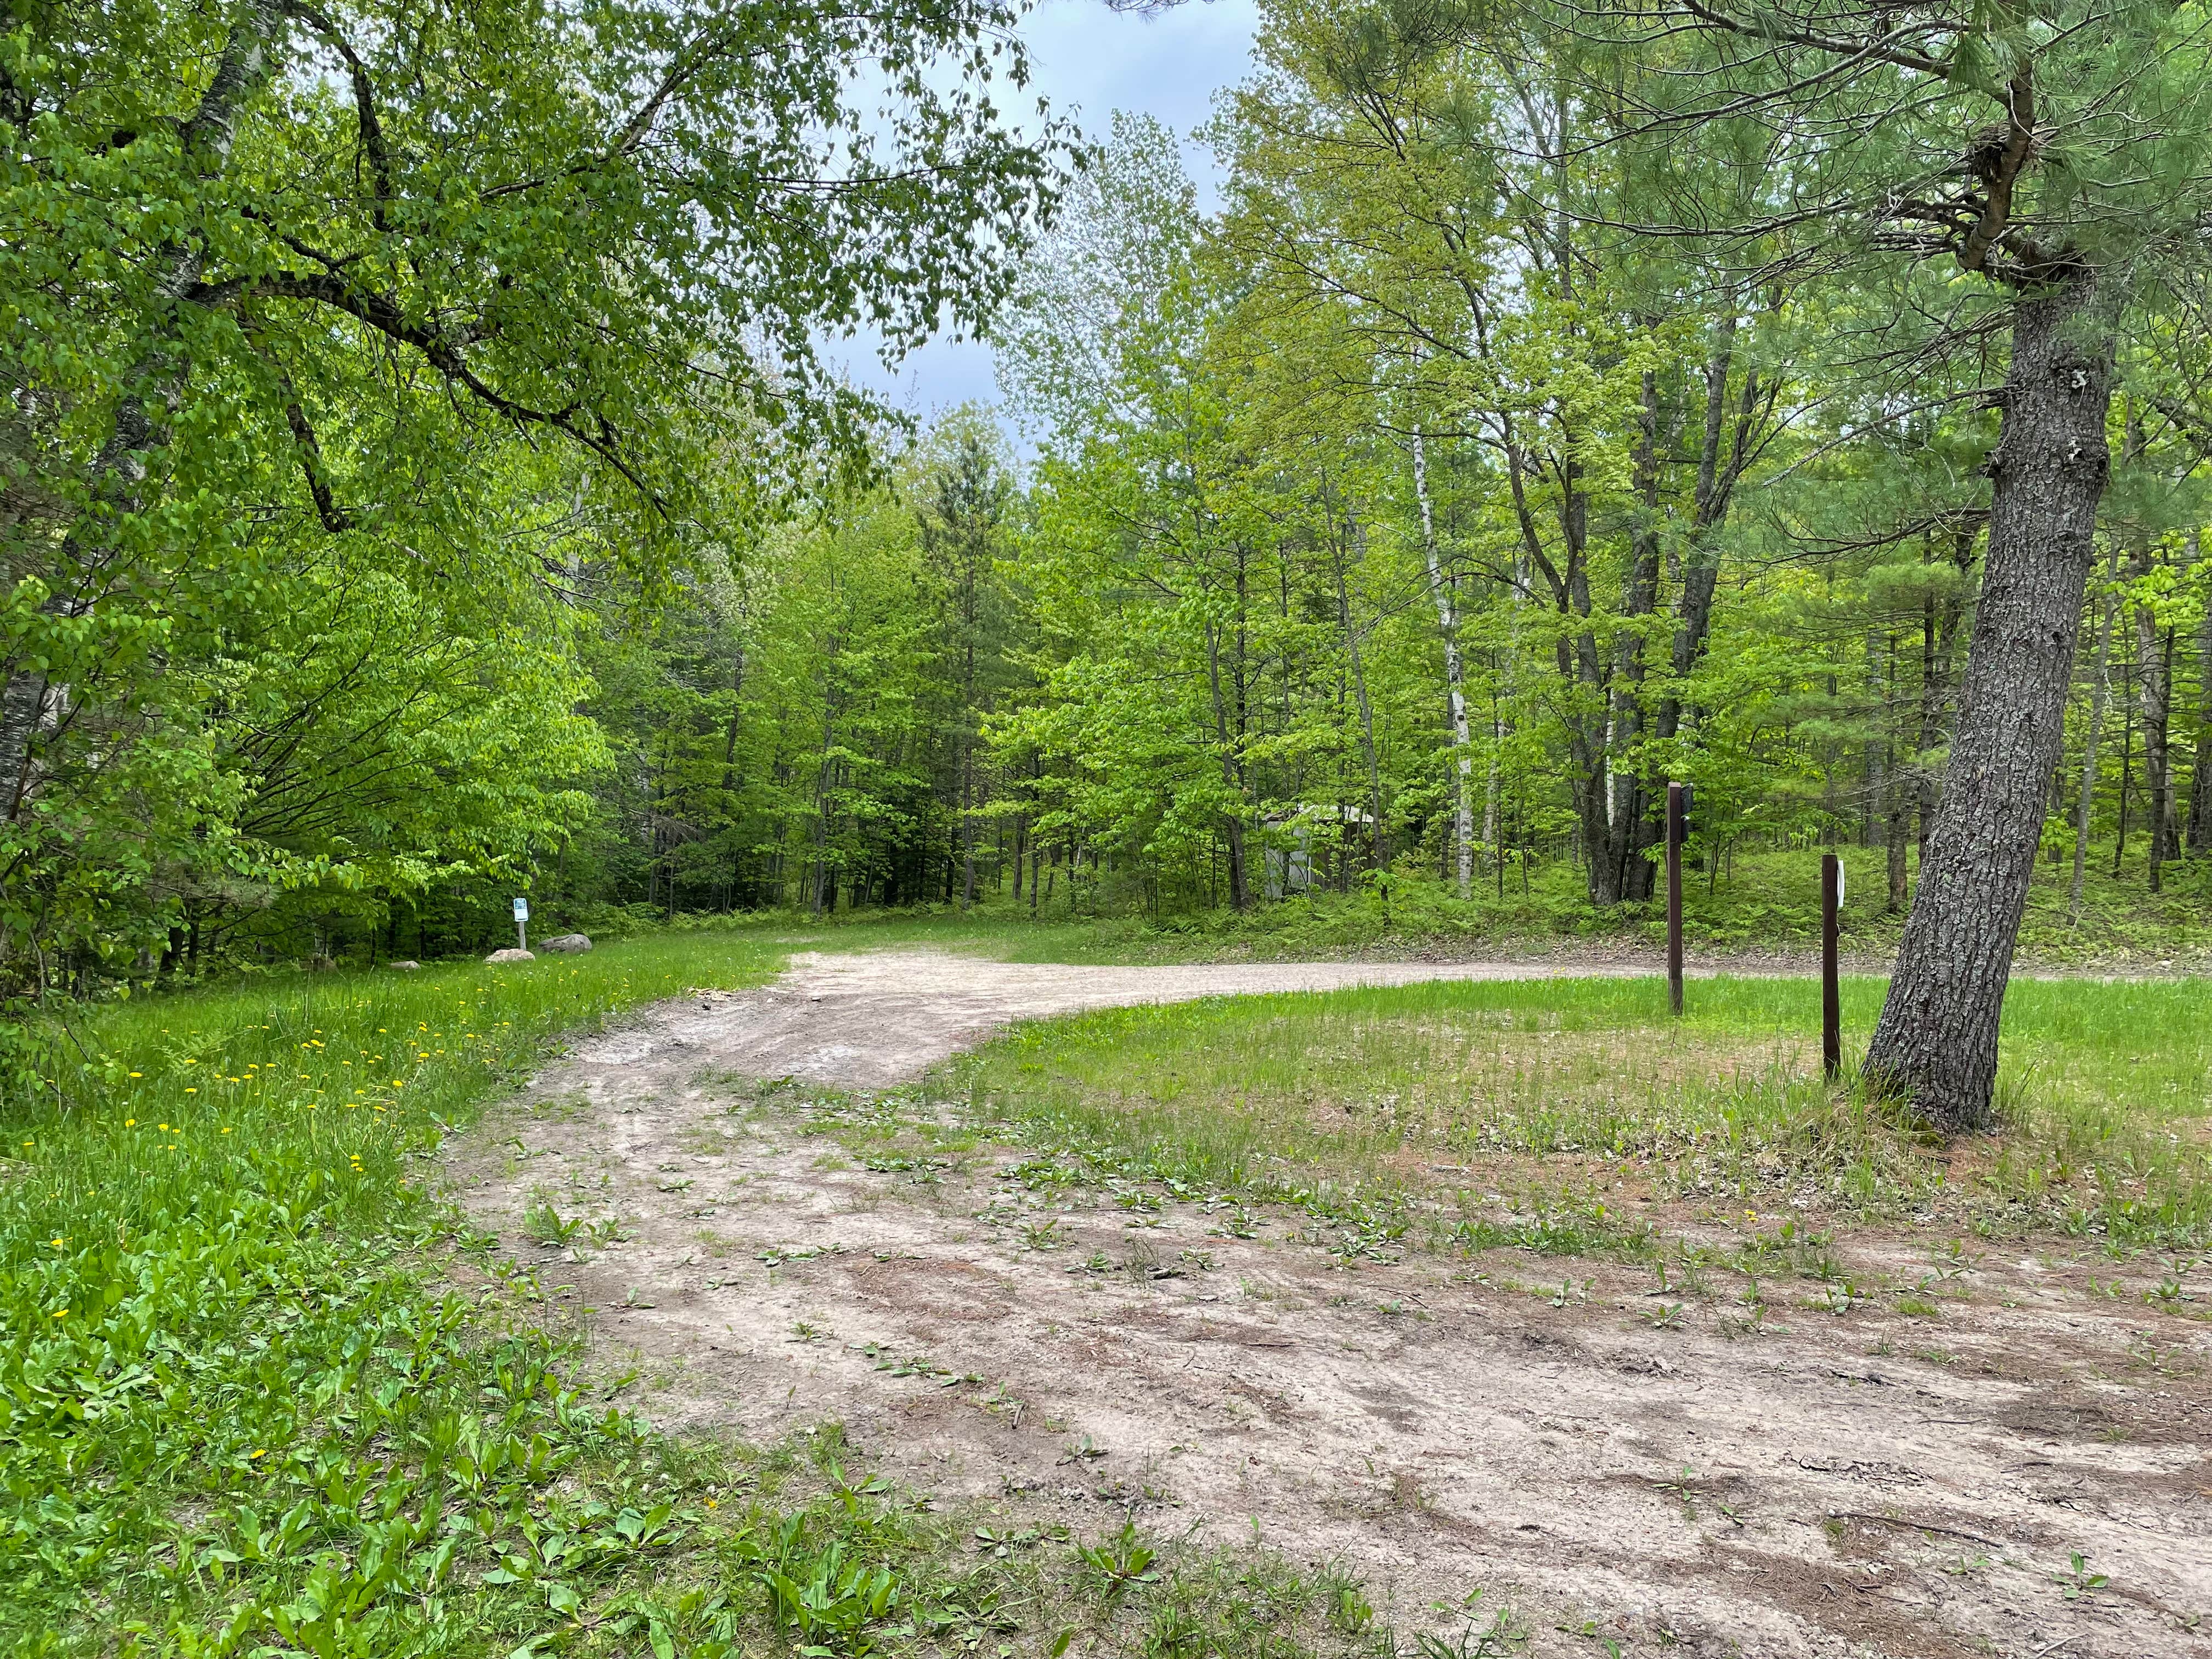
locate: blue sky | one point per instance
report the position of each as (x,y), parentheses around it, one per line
(1089,61)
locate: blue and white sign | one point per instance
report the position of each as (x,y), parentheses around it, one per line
(522,909)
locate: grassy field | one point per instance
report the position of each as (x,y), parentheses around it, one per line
(1361,1099)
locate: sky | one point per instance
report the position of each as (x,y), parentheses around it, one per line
(1087,61)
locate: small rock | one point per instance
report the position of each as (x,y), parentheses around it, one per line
(566,945)
(509,955)
(404,967)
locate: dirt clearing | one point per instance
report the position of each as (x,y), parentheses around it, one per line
(2021,1471)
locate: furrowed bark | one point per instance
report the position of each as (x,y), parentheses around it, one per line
(1937,1042)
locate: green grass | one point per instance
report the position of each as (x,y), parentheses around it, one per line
(263,1392)
(1347,1103)
(239,1411)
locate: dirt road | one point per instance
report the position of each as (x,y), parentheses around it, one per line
(1807,1482)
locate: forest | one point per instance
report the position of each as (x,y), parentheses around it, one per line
(1519,434)
(1116,1103)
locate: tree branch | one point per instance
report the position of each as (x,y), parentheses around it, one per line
(1999,170)
(1917,62)
(381,313)
(639,127)
(364,103)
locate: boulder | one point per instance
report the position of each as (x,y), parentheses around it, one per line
(566,945)
(509,955)
(404,967)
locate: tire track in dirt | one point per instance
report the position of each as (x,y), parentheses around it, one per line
(1430,1420)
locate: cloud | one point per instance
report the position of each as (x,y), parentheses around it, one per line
(1088,61)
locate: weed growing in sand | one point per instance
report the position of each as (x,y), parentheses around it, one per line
(1231,1602)
(1112,1566)
(1481,1634)
(549,1227)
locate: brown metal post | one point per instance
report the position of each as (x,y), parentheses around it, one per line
(1831,999)
(1674,897)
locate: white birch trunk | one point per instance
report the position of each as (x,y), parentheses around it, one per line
(1454,687)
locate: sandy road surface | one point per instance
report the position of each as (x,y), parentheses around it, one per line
(879,1018)
(1863,1484)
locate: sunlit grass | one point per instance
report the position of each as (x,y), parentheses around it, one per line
(236,1406)
(285,1084)
(2107,1090)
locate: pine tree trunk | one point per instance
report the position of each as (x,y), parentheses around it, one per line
(1937,1042)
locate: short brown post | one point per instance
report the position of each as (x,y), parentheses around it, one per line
(1674,897)
(1832,1001)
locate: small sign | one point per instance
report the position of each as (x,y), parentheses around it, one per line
(1840,883)
(522,909)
